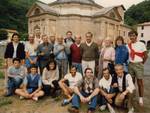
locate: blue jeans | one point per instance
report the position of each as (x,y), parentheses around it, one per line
(78,66)
(13,84)
(102,99)
(76,101)
(27,61)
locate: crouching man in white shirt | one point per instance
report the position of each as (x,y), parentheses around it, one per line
(126,88)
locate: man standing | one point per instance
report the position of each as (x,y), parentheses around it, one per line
(89,53)
(43,51)
(68,42)
(60,52)
(137,57)
(76,54)
(53,42)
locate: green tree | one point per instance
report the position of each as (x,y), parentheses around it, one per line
(3,34)
(12,14)
(138,13)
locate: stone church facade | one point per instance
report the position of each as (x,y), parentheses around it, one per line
(78,16)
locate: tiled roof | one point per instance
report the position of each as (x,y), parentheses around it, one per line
(103,11)
(46,7)
(79,1)
(106,9)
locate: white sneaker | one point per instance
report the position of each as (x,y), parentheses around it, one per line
(102,108)
(21,97)
(131,110)
(35,98)
(141,103)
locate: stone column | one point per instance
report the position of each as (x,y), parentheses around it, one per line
(46,26)
(107,29)
(103,29)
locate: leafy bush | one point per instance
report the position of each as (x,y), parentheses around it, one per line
(3,34)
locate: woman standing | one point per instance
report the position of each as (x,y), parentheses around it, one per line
(50,78)
(14,49)
(121,56)
(107,56)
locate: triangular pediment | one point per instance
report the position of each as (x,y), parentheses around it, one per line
(113,12)
(39,8)
(34,10)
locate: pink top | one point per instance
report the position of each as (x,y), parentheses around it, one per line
(107,53)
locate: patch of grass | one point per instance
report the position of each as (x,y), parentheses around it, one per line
(59,98)
(5,101)
(1,75)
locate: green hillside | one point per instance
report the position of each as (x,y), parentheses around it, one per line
(12,14)
(138,13)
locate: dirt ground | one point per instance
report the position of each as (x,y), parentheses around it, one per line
(49,105)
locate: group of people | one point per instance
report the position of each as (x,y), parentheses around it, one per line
(85,72)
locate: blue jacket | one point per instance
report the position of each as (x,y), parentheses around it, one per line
(121,55)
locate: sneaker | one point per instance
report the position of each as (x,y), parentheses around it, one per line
(21,97)
(73,110)
(102,108)
(131,110)
(141,103)
(65,102)
(35,98)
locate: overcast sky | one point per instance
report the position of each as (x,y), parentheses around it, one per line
(105,3)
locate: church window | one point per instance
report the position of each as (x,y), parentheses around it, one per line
(112,15)
(37,11)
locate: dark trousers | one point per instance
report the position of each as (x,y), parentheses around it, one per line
(102,99)
(49,90)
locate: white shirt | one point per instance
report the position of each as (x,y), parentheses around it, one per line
(74,81)
(137,47)
(89,44)
(15,50)
(129,83)
(103,83)
(38,40)
(31,48)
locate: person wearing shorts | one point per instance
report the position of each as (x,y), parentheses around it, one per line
(137,58)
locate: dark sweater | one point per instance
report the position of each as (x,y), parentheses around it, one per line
(20,53)
(89,53)
(75,53)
